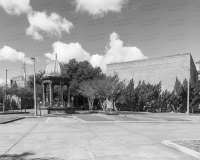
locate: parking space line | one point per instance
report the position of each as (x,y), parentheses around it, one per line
(47,120)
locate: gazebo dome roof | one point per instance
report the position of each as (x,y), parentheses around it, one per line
(55,69)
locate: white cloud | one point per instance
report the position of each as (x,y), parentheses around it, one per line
(9,54)
(69,51)
(100,7)
(41,24)
(15,7)
(117,52)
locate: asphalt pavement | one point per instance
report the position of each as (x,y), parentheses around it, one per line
(68,138)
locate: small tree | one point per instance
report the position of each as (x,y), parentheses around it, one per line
(114,88)
(164,100)
(130,95)
(101,90)
(25,93)
(87,90)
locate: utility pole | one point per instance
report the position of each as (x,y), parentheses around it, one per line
(34,88)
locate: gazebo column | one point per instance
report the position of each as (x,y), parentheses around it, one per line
(50,94)
(53,93)
(61,93)
(68,95)
(44,93)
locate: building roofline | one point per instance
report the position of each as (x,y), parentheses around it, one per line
(180,54)
(22,76)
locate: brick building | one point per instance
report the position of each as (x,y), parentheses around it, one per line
(164,69)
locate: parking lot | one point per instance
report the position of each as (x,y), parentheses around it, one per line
(70,138)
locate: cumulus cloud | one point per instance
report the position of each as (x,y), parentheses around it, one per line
(100,7)
(9,54)
(69,51)
(117,52)
(41,25)
(15,7)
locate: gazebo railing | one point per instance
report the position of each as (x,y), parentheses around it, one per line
(56,104)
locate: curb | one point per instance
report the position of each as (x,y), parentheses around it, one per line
(125,122)
(11,113)
(12,120)
(182,148)
(83,121)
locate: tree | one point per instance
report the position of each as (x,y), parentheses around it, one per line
(2,92)
(130,95)
(25,93)
(164,100)
(12,90)
(38,79)
(101,88)
(113,88)
(79,72)
(177,87)
(87,90)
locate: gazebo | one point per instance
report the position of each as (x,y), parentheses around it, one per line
(55,74)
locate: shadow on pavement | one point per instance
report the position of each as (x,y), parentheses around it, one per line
(25,156)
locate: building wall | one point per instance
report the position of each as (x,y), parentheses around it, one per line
(20,80)
(164,69)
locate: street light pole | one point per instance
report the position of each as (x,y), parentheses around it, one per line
(188,93)
(34,89)
(5,93)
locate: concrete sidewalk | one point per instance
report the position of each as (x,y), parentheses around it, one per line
(69,139)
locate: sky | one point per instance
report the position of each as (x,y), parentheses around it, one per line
(100,31)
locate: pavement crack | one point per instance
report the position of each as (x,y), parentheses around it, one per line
(18,141)
(90,141)
(91,154)
(95,136)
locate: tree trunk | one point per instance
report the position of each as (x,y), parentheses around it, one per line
(90,102)
(114,102)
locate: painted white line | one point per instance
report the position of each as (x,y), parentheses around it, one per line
(190,120)
(182,148)
(47,120)
(79,119)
